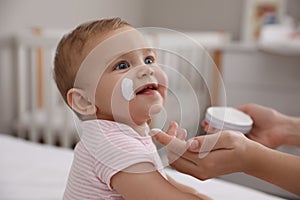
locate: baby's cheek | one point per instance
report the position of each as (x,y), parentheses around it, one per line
(163,82)
(162,79)
(127,89)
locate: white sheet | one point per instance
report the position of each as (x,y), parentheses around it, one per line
(31,171)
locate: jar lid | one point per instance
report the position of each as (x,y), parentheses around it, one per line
(228,118)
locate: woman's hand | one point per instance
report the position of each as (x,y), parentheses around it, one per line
(269,127)
(209,156)
(226,152)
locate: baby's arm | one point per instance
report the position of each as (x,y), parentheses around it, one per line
(147,185)
(187,189)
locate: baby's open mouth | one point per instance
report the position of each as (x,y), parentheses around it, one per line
(147,89)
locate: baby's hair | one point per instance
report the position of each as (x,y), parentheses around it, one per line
(75,46)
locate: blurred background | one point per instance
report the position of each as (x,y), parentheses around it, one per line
(249,74)
(254,43)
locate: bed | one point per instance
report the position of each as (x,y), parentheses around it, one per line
(32,171)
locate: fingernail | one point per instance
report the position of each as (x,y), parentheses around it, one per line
(173,123)
(194,144)
(154,131)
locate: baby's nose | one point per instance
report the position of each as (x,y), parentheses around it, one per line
(145,71)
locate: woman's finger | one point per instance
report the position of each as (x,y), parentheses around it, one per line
(208,128)
(243,108)
(220,140)
(183,165)
(204,123)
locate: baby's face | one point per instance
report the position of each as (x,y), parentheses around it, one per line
(132,86)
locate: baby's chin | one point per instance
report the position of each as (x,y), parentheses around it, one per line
(155,109)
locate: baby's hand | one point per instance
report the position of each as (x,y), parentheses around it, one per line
(173,140)
(173,131)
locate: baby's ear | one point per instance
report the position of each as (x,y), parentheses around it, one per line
(78,100)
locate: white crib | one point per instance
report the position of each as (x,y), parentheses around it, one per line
(41,114)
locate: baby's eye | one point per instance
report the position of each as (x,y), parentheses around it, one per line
(149,60)
(122,66)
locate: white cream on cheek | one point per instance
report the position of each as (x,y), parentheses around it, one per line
(127,89)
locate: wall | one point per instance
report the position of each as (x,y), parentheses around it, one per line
(293,8)
(199,15)
(203,15)
(16,15)
(195,15)
(254,76)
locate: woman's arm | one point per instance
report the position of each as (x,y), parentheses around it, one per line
(293,132)
(275,167)
(147,185)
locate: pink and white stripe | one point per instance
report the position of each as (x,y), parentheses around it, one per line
(106,148)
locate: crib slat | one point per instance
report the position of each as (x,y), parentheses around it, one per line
(21,71)
(19,56)
(33,113)
(49,109)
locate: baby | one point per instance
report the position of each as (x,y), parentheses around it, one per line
(108,75)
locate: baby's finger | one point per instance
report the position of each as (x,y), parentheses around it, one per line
(161,136)
(172,143)
(181,134)
(172,130)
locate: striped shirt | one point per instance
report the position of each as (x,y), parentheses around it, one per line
(106,148)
